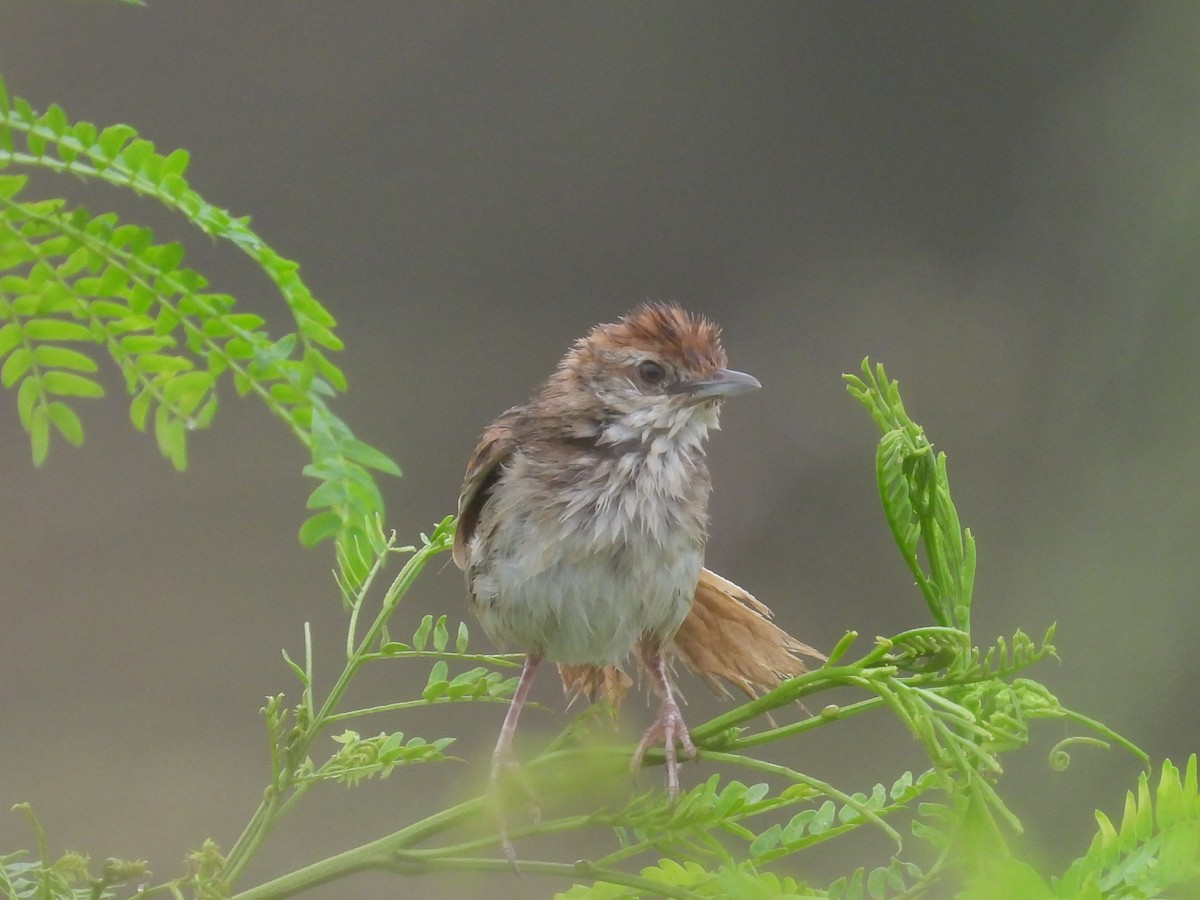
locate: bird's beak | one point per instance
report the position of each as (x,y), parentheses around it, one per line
(722,383)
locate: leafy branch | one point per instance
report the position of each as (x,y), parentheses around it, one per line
(293,732)
(69,279)
(1154,851)
(916,500)
(72,282)
(963,705)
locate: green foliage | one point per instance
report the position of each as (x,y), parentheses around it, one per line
(1154,852)
(916,500)
(294,731)
(74,285)
(964,705)
(361,758)
(690,879)
(64,878)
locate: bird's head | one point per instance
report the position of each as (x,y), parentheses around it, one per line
(657,369)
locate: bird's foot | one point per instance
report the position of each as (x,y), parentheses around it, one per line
(669,729)
(508,777)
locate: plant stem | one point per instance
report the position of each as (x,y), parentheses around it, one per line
(374,855)
(399,863)
(413,704)
(791,690)
(269,809)
(1103,729)
(785,731)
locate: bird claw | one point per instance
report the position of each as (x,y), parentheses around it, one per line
(669,728)
(507,771)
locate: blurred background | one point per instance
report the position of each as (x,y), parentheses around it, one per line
(1001,202)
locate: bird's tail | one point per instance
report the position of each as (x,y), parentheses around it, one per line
(728,638)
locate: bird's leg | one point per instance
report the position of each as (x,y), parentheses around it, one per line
(502,756)
(667,727)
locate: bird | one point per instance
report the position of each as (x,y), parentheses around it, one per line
(582,523)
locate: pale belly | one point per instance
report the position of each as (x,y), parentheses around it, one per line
(581,602)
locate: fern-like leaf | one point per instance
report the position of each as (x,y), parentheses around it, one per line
(70,278)
(1153,851)
(916,500)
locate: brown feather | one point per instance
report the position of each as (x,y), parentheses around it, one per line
(727,636)
(607,683)
(665,329)
(495,447)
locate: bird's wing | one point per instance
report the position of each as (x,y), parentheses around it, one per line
(495,447)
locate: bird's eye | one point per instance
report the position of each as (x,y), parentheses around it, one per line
(651,373)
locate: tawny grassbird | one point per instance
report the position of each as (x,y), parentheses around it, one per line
(582,523)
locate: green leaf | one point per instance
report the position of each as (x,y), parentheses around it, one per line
(437,683)
(153,363)
(56,330)
(319,527)
(27,396)
(460,643)
(876,883)
(421,635)
(824,818)
(66,421)
(368,456)
(244,321)
(901,786)
(327,369)
(204,416)
(39,434)
(328,493)
(135,155)
(24,111)
(296,669)
(10,336)
(136,344)
(173,186)
(35,143)
(55,119)
(320,335)
(176,162)
(10,185)
(916,500)
(68,384)
(441,636)
(166,321)
(113,138)
(50,356)
(237,348)
(766,841)
(66,152)
(166,259)
(186,391)
(80,259)
(141,298)
(85,133)
(171,438)
(140,406)
(287,394)
(15,366)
